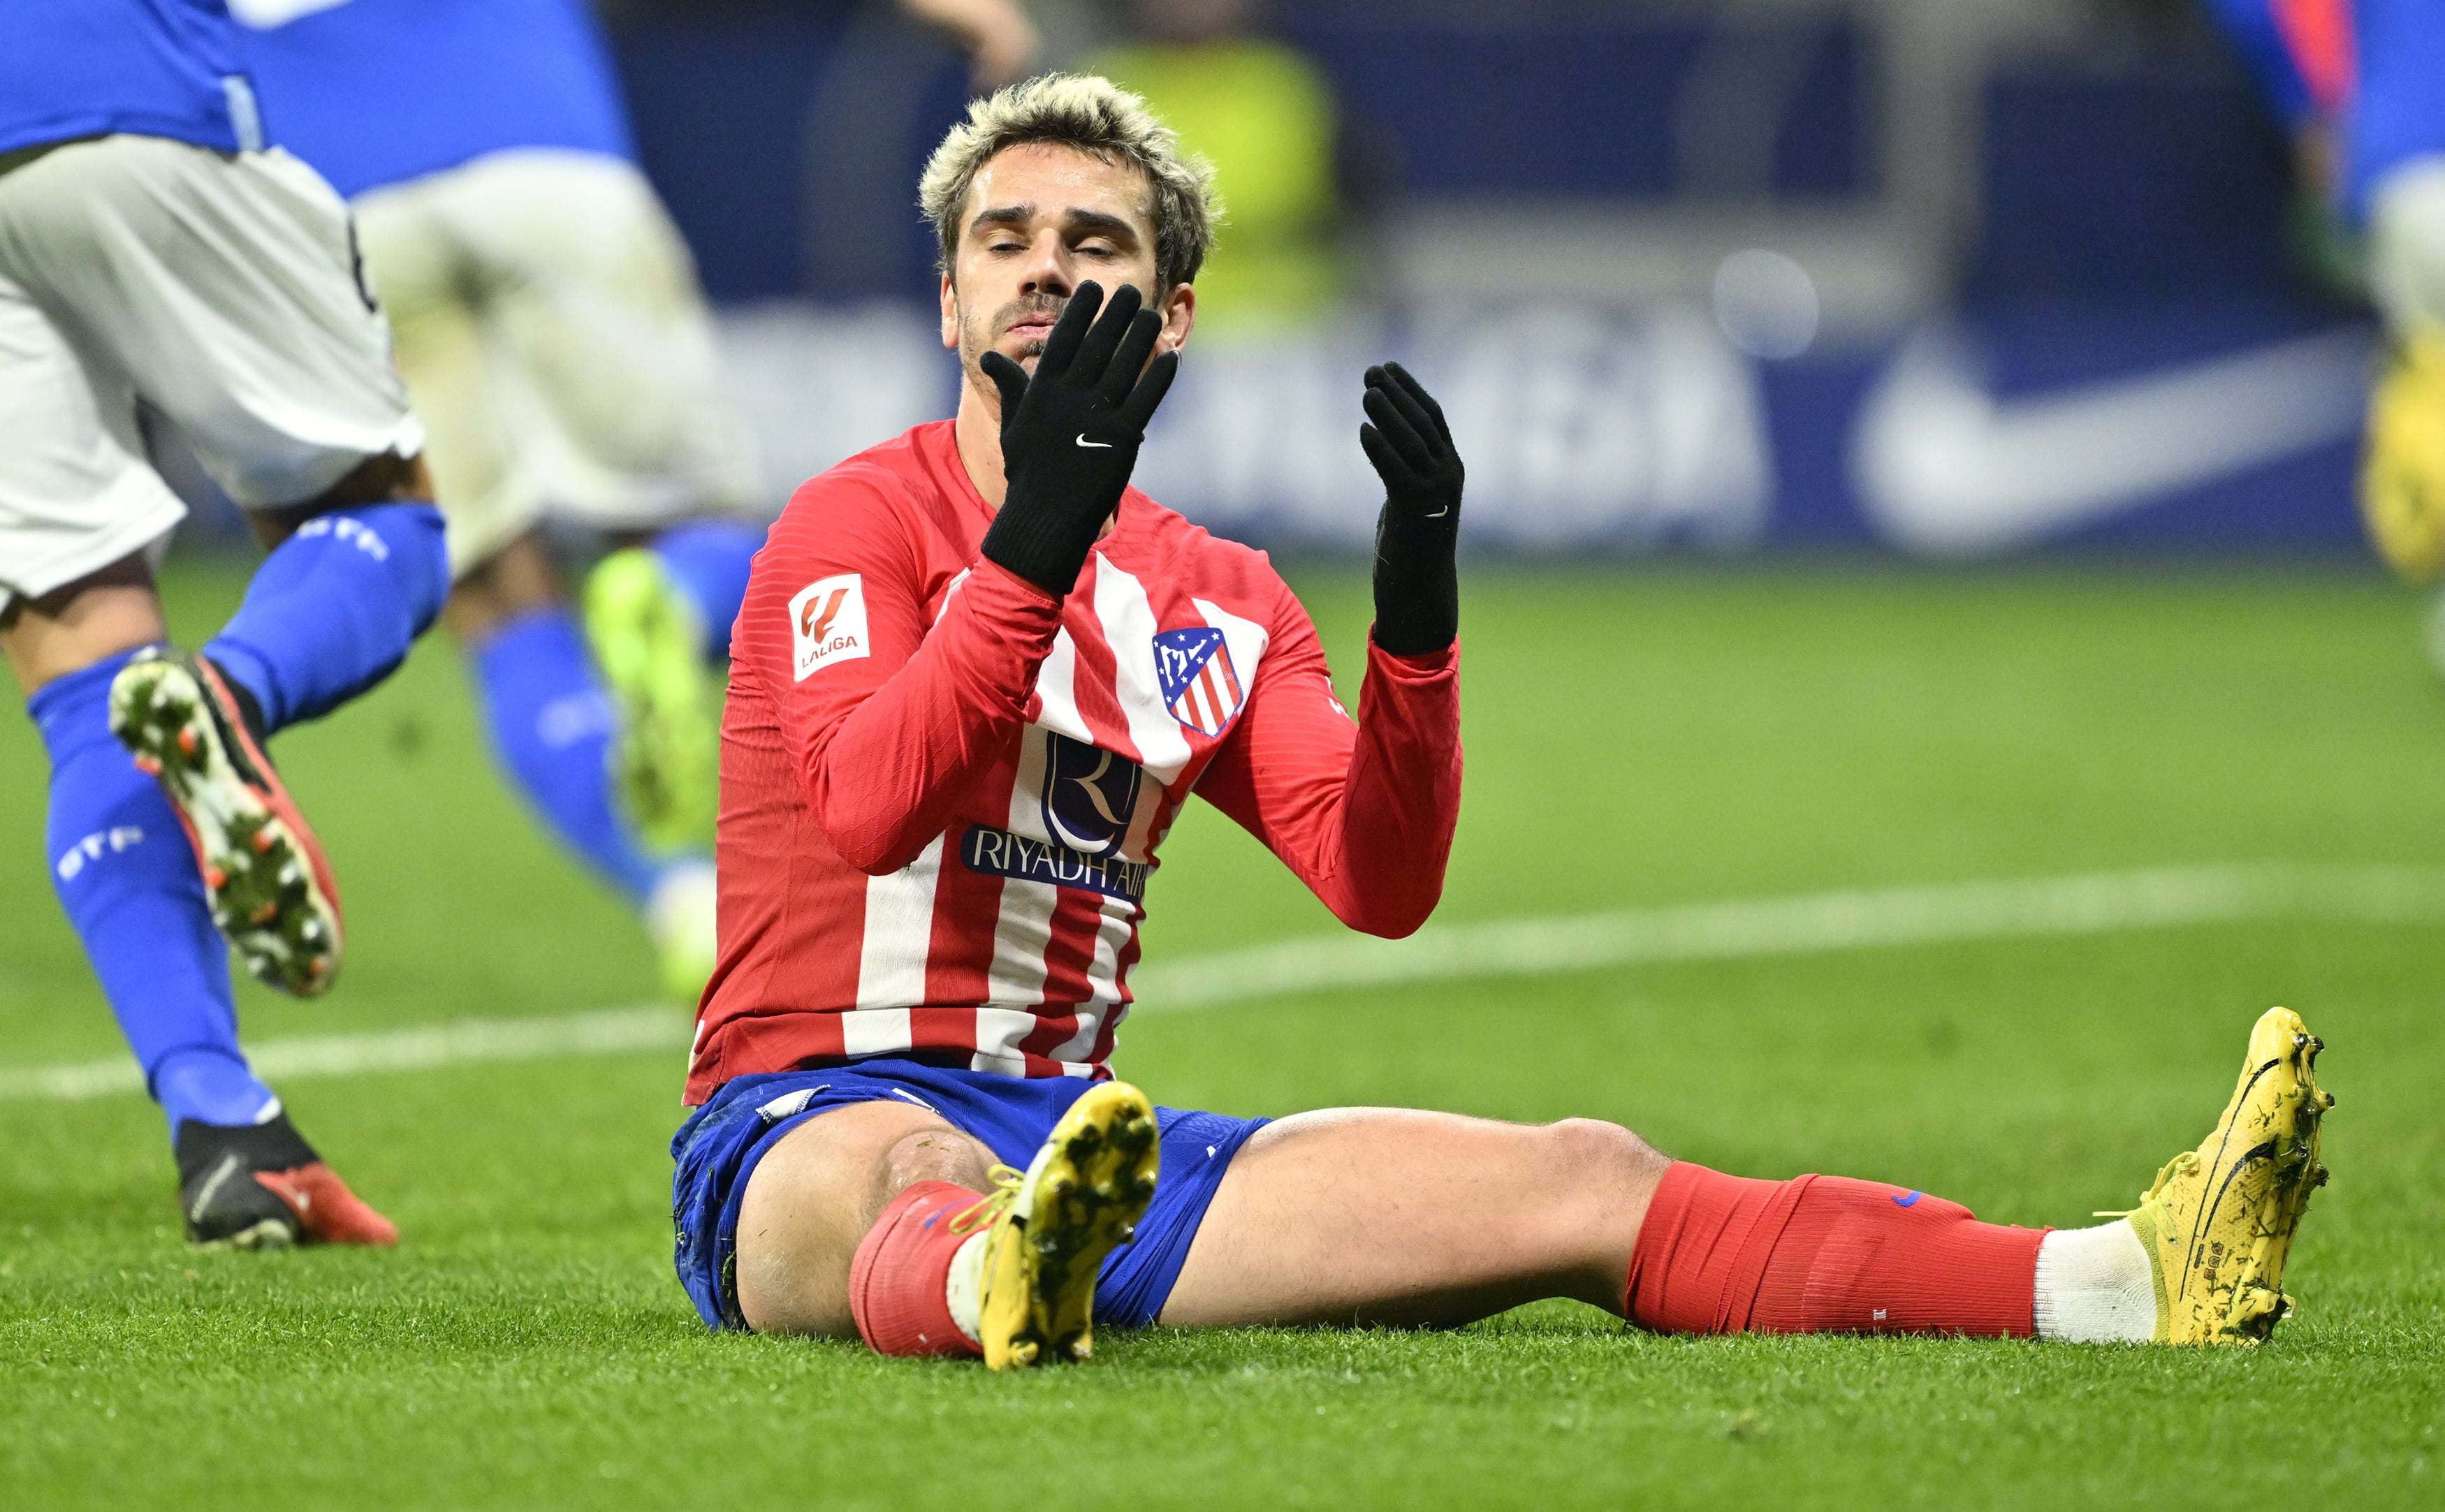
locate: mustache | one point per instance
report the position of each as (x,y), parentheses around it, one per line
(1030,307)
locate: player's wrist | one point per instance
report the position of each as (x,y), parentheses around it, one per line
(1413,635)
(1411,667)
(1040,546)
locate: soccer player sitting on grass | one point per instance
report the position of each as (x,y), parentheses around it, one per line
(976,678)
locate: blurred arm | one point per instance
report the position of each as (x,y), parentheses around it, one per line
(1364,817)
(997,35)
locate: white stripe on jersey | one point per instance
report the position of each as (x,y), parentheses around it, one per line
(1129,631)
(1056,693)
(999,1033)
(875,1032)
(1118,918)
(1246,639)
(1073,1052)
(899,934)
(1023,926)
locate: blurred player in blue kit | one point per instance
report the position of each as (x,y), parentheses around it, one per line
(155,252)
(2361,85)
(554,342)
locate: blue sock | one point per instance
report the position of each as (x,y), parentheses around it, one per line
(709,560)
(333,610)
(551,723)
(128,878)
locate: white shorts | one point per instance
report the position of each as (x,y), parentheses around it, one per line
(219,289)
(555,343)
(2407,246)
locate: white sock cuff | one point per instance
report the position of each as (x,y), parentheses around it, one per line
(2095,1287)
(966,1288)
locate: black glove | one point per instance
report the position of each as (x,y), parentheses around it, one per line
(1070,435)
(1417,585)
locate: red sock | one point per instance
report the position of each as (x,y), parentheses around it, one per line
(899,1282)
(1824,1254)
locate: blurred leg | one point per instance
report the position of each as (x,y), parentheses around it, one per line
(549,716)
(118,863)
(598,298)
(707,563)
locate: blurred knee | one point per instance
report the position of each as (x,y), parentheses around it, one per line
(389,478)
(518,579)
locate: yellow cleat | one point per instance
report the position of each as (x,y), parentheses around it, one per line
(2403,476)
(1051,1228)
(2219,1221)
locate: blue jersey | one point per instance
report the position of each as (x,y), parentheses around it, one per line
(374,92)
(74,68)
(2398,110)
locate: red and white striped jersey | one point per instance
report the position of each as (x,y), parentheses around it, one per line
(943,790)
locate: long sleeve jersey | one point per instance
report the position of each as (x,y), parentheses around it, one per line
(943,789)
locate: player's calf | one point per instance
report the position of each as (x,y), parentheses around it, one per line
(2199,1262)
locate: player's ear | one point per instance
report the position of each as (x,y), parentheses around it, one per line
(950,315)
(1179,318)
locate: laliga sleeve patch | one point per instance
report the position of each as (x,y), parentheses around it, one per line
(827,622)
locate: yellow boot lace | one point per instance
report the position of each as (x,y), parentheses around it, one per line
(2180,1166)
(986,1210)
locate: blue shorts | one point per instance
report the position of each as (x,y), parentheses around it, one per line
(716,1151)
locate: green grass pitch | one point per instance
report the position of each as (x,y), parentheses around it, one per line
(1634,738)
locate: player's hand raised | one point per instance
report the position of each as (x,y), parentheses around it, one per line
(1417,580)
(1070,435)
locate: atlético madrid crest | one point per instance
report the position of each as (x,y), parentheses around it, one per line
(1200,685)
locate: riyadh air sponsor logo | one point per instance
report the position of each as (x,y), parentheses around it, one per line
(1200,685)
(1943,467)
(827,622)
(999,853)
(1089,794)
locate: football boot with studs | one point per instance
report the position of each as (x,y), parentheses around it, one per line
(2218,1224)
(269,886)
(1049,1229)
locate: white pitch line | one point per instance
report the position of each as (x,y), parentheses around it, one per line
(2104,902)
(605,1032)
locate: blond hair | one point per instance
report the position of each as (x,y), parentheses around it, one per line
(1094,116)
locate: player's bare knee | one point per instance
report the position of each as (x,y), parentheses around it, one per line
(935,1153)
(1597,1156)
